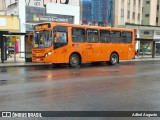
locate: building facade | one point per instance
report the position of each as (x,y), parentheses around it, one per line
(144,16)
(86,10)
(7,23)
(102,11)
(30,12)
(2,7)
(142,12)
(127,11)
(151,12)
(97,11)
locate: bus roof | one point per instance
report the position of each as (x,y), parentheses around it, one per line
(85,26)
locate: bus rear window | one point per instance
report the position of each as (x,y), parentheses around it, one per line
(126,37)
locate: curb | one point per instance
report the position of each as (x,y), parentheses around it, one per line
(49,64)
(23,64)
(140,60)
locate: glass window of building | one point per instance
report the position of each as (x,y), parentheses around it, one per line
(148,2)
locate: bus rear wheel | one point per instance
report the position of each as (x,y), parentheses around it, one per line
(114,59)
(74,60)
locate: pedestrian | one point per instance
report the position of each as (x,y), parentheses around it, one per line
(137,53)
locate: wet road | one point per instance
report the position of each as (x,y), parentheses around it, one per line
(129,86)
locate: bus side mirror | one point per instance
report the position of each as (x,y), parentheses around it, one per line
(29,37)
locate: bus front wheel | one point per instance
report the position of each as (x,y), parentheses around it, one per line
(74,60)
(114,59)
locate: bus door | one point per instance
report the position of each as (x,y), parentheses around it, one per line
(78,41)
(60,43)
(95,51)
(92,46)
(128,47)
(105,46)
(87,53)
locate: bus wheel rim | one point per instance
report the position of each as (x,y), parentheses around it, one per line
(114,59)
(74,60)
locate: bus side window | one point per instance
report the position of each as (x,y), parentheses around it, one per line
(92,35)
(104,36)
(60,36)
(127,37)
(116,36)
(78,34)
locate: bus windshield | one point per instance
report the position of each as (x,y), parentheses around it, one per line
(42,39)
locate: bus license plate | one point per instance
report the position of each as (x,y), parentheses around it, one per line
(38,59)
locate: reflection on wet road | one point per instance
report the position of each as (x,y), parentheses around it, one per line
(127,86)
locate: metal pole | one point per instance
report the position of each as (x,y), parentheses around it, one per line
(1,40)
(15,51)
(153,49)
(3,48)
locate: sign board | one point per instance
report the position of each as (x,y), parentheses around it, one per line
(42,3)
(38,14)
(146,33)
(156,34)
(36,3)
(69,2)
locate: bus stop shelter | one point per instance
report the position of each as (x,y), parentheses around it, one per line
(153,44)
(3,45)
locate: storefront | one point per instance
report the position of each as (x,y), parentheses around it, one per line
(149,42)
(157,43)
(27,16)
(147,39)
(10,24)
(146,45)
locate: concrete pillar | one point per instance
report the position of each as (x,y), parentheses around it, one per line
(22,21)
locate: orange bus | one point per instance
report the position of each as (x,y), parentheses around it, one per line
(72,44)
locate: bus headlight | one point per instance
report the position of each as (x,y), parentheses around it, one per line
(49,53)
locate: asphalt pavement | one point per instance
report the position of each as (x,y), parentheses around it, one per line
(129,86)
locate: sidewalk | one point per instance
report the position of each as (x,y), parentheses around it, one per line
(20,62)
(144,58)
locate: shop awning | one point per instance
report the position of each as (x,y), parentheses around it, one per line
(147,39)
(11,33)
